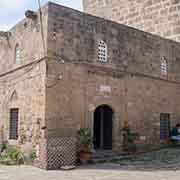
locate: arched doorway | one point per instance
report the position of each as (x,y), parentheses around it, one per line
(103,127)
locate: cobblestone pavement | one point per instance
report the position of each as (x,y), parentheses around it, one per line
(162,165)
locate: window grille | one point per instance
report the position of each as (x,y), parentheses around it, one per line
(164,69)
(13,130)
(102,51)
(17,54)
(165,126)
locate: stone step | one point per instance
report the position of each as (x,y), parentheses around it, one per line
(107,156)
(97,155)
(110,159)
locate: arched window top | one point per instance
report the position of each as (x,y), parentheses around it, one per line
(102,51)
(17,54)
(164,68)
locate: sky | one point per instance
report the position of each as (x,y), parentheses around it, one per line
(11,11)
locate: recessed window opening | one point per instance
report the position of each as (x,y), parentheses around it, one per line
(14,118)
(165,126)
(102,51)
(17,54)
(164,69)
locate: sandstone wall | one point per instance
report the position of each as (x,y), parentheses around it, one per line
(74,37)
(72,99)
(154,16)
(146,99)
(26,34)
(74,91)
(22,85)
(24,89)
(135,88)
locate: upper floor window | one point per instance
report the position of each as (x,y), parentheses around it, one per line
(102,51)
(17,54)
(164,68)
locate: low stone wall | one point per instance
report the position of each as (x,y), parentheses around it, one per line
(57,152)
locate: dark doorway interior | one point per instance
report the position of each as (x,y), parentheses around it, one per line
(103,127)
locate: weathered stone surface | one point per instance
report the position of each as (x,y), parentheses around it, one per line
(139,93)
(154,16)
(23,85)
(57,89)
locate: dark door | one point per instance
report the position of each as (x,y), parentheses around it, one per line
(107,132)
(103,127)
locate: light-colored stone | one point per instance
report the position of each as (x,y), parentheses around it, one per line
(154,16)
(57,88)
(95,172)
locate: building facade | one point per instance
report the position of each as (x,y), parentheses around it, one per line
(73,70)
(154,16)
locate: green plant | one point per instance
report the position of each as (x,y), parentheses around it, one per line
(33,155)
(12,156)
(85,139)
(129,139)
(2,147)
(132,137)
(16,155)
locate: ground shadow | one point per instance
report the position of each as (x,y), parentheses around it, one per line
(162,160)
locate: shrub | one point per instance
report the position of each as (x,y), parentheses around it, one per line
(85,139)
(2,147)
(129,139)
(12,156)
(33,155)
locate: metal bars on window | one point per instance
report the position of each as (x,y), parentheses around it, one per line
(102,51)
(13,129)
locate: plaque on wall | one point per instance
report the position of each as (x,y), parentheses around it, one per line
(105,88)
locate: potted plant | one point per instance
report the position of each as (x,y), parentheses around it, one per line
(129,139)
(132,137)
(86,143)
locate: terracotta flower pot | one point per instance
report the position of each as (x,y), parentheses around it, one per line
(85,156)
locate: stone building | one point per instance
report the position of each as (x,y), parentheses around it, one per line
(161,17)
(74,70)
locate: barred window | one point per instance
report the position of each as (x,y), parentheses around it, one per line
(17,54)
(165,126)
(102,51)
(13,129)
(164,69)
